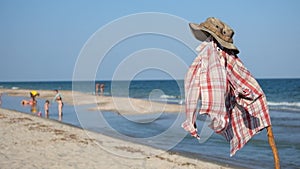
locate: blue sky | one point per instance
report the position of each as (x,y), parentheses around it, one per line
(41,40)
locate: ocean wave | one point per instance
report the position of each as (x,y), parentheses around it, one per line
(168,97)
(285,106)
(280,106)
(294,104)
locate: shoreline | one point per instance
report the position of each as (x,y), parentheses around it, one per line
(119,105)
(29,141)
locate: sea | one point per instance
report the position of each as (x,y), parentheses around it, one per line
(163,131)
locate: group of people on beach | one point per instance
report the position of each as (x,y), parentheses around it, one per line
(34,108)
(99,88)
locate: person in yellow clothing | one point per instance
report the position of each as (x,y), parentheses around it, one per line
(33,95)
(32,102)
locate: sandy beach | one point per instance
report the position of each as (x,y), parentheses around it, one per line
(29,141)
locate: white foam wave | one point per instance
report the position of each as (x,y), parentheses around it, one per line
(167,96)
(293,104)
(285,106)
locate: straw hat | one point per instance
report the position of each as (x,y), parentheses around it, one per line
(218,29)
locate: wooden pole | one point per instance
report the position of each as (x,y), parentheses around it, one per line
(273,147)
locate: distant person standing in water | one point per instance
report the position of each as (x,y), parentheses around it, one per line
(46,108)
(33,95)
(97,87)
(102,89)
(60,104)
(33,102)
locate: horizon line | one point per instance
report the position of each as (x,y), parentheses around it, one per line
(96,80)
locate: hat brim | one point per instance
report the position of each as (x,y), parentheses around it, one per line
(201,33)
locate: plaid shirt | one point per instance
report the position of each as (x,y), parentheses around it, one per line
(229,94)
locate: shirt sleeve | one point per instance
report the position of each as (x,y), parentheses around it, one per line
(213,86)
(192,94)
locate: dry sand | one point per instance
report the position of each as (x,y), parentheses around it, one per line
(29,141)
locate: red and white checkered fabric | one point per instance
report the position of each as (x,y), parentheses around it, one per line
(229,95)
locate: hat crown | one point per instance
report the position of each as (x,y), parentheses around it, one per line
(221,29)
